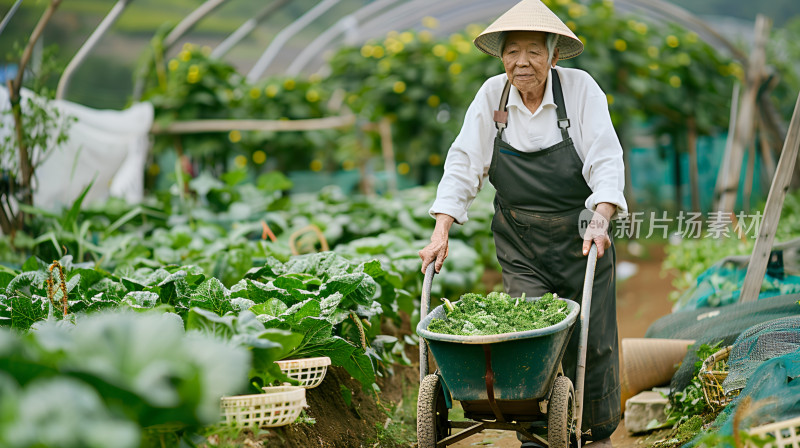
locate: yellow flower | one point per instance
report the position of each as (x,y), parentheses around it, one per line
(316,165)
(235,136)
(206,50)
(571,25)
(193,77)
(259,157)
(473,30)
(641,28)
(399,87)
(395,46)
(620,45)
(185,56)
(430,22)
(377,52)
(271,90)
(691,37)
(403,168)
(434,101)
(675,81)
(672,41)
(652,51)
(684,59)
(384,65)
(173,65)
(289,84)
(610,98)
(406,37)
(425,36)
(582,39)
(439,50)
(434,159)
(348,165)
(450,56)
(653,66)
(576,10)
(366,51)
(463,47)
(255,92)
(240,161)
(188,47)
(455,69)
(312,96)
(736,70)
(153,169)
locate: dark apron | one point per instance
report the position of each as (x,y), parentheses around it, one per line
(540,196)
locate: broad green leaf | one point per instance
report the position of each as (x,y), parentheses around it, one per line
(300,311)
(211,323)
(27,310)
(141,299)
(272,307)
(357,288)
(27,283)
(211,295)
(33,263)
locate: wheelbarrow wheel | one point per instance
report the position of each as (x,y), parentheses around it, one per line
(561,414)
(432,421)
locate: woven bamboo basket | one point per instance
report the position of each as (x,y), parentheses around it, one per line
(784,434)
(712,374)
(278,406)
(309,371)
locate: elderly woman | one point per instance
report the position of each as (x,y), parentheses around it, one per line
(543,137)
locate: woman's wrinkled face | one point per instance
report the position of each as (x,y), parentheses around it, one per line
(525,60)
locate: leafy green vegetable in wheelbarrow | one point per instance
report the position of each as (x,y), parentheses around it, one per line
(498,313)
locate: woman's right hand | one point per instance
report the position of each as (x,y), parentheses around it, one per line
(438,249)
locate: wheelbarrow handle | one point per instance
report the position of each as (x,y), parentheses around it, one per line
(424,305)
(583,342)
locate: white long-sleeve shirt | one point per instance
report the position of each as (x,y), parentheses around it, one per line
(467,165)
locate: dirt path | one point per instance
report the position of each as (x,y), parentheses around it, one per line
(641,300)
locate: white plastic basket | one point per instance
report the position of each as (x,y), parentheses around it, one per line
(278,406)
(309,371)
(786,433)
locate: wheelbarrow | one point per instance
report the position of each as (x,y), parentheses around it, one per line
(511,381)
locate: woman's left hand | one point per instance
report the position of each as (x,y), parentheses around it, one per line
(597,231)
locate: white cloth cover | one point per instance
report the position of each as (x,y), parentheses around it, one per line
(107,146)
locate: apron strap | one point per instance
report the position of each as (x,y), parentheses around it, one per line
(561,109)
(501,114)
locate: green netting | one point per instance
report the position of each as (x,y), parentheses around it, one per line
(709,325)
(721,284)
(774,395)
(758,344)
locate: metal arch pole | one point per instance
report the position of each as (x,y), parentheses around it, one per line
(284,35)
(424,304)
(583,342)
(9,15)
(190,21)
(346,23)
(245,29)
(80,56)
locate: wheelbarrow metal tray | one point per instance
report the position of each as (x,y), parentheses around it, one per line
(524,363)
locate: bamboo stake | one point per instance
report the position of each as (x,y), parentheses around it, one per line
(772,211)
(223,125)
(694,174)
(747,115)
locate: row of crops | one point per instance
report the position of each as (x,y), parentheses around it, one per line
(150,313)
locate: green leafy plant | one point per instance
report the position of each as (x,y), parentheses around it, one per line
(499,313)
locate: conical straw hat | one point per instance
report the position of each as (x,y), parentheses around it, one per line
(529,15)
